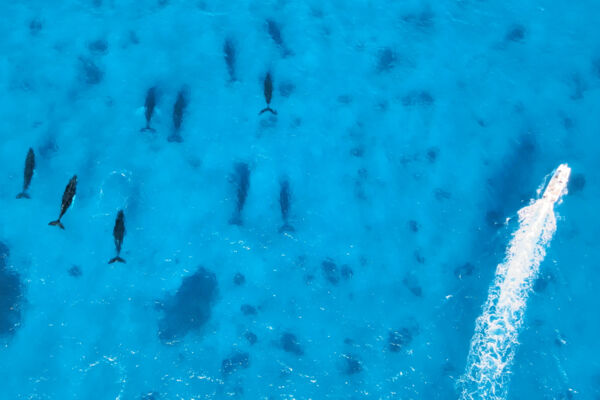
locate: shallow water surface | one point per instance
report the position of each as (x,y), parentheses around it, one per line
(339,246)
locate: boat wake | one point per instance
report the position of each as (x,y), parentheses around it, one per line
(495,340)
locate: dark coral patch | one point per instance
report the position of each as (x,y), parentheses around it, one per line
(402,337)
(576,183)
(333,274)
(413,226)
(422,21)
(418,98)
(239,279)
(35,26)
(247,309)
(237,361)
(464,270)
(352,365)
(419,257)
(510,186)
(4,254)
(330,271)
(251,337)
(289,343)
(441,194)
(190,307)
(11,295)
(412,284)
(516,33)
(286,89)
(347,272)
(399,339)
(99,46)
(75,271)
(541,283)
(493,218)
(49,148)
(89,72)
(432,154)
(386,60)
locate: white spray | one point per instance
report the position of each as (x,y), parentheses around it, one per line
(496,331)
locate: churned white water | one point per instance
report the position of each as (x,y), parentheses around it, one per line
(495,340)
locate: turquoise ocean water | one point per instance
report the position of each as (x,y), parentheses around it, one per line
(405,137)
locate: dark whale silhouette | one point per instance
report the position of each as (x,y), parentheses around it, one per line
(242,177)
(178,111)
(268,90)
(28,174)
(149,106)
(229,51)
(284,204)
(118,234)
(67,199)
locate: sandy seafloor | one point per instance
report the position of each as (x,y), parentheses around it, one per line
(408,132)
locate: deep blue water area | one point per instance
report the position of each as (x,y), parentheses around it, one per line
(315,195)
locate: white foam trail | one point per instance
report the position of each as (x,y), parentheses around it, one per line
(495,340)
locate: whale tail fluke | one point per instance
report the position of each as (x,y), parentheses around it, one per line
(148,128)
(267,109)
(286,228)
(236,220)
(23,195)
(117,259)
(57,222)
(175,137)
